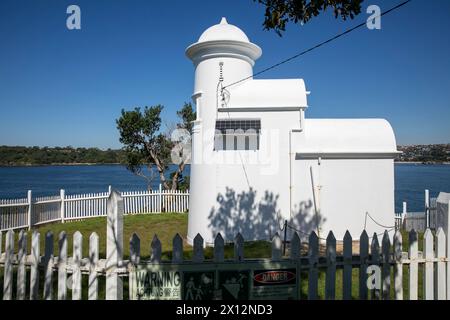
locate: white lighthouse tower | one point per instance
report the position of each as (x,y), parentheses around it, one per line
(223,51)
(258,161)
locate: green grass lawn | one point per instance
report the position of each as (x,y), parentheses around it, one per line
(146,226)
(166,226)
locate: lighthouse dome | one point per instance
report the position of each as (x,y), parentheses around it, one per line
(223,31)
(222,40)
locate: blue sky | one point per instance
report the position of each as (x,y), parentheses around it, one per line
(60,87)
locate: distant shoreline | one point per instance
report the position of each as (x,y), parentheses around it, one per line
(59,165)
(123,164)
(62,165)
(422,163)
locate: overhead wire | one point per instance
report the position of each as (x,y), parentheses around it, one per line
(316,46)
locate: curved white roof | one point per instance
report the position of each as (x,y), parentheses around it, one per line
(222,40)
(223,31)
(268,93)
(346,136)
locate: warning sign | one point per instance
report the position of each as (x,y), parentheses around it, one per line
(198,285)
(274,284)
(158,285)
(234,285)
(274,277)
(215,281)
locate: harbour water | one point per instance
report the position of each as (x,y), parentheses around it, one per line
(410,181)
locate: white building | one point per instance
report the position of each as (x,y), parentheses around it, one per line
(258,161)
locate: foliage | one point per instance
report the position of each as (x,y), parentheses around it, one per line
(145,144)
(279,12)
(17,155)
(187,116)
(183,181)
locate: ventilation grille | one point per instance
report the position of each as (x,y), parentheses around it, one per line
(238,124)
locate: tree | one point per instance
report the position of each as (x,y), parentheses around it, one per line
(146,145)
(280,12)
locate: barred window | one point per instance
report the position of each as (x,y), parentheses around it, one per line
(237,134)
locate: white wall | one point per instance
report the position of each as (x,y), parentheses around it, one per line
(252,187)
(349,189)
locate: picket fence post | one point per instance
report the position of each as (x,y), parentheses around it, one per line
(156,247)
(238,248)
(8,268)
(440,282)
(219,245)
(330,280)
(76,264)
(313,255)
(296,254)
(398,275)
(363,263)
(198,249)
(135,249)
(135,258)
(386,270)
(375,253)
(428,273)
(413,265)
(347,272)
(62,262)
(177,245)
(48,266)
(114,246)
(21,271)
(62,194)
(30,207)
(93,260)
(160,198)
(276,247)
(35,259)
(295,246)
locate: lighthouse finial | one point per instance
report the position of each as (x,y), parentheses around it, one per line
(223,21)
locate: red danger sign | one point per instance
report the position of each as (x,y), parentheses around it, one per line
(274,277)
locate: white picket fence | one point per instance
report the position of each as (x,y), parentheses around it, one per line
(389,258)
(28,212)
